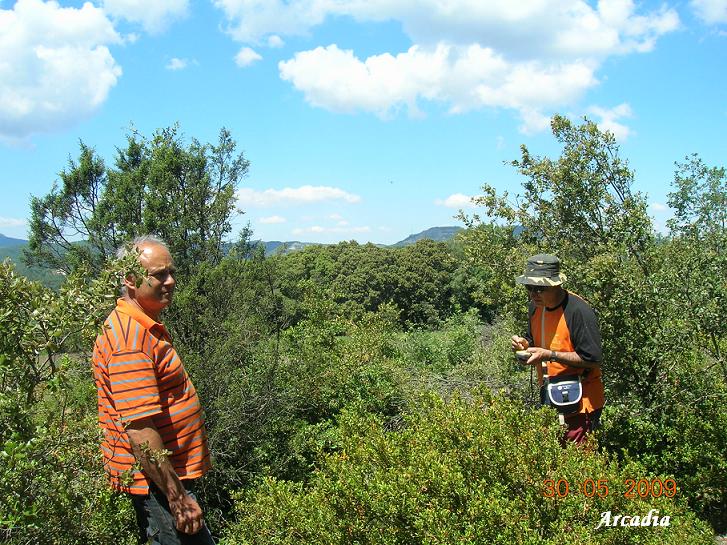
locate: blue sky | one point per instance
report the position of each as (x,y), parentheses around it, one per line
(362,119)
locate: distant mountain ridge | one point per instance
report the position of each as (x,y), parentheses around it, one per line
(277,246)
(8,242)
(12,247)
(437,234)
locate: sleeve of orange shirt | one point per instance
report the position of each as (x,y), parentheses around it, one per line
(133,385)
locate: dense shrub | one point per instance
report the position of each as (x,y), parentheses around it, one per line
(456,472)
(54,489)
(684,433)
(52,486)
(270,392)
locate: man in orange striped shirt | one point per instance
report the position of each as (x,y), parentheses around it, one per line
(154,440)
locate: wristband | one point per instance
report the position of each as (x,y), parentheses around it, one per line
(552,355)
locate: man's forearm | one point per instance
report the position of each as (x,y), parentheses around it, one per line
(572,359)
(150,451)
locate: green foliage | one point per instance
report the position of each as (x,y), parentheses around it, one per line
(52,486)
(418,279)
(456,473)
(452,345)
(492,365)
(582,201)
(495,256)
(47,277)
(683,434)
(658,299)
(182,193)
(37,325)
(312,367)
(54,490)
(270,389)
(700,226)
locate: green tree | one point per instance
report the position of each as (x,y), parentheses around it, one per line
(184,193)
(699,233)
(580,202)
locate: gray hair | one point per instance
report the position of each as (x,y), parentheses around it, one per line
(127,247)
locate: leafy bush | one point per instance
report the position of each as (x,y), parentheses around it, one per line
(456,472)
(684,434)
(270,393)
(52,486)
(54,490)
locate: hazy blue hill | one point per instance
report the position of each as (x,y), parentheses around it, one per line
(12,248)
(279,247)
(7,242)
(438,234)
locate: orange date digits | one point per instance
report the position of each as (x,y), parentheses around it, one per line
(558,488)
(641,488)
(561,488)
(592,488)
(655,488)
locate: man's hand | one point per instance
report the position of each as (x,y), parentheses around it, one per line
(519,343)
(538,355)
(150,450)
(187,514)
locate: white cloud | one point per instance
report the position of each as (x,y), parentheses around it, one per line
(273,219)
(465,77)
(608,119)
(55,66)
(573,28)
(306,194)
(456,200)
(531,57)
(533,121)
(12,222)
(275,41)
(658,207)
(154,16)
(711,11)
(339,230)
(251,20)
(339,219)
(246,56)
(177,64)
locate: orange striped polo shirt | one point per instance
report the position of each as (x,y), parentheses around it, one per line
(139,374)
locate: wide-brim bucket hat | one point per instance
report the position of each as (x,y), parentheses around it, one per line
(542,270)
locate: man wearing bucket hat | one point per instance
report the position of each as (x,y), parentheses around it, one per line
(563,342)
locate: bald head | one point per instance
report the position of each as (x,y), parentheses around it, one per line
(154,292)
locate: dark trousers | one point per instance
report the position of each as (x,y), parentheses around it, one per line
(578,425)
(156,522)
